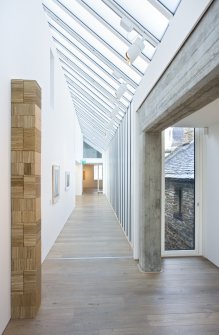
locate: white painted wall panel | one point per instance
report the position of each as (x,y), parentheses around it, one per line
(25,54)
(211,199)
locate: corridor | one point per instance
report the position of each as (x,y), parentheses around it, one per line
(92,286)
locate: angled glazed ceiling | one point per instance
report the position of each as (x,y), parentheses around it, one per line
(105,47)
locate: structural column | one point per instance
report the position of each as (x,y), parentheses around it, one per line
(150,206)
(26,201)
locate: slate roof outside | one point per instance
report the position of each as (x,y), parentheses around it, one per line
(180,163)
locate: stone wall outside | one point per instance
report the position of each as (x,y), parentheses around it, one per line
(179,228)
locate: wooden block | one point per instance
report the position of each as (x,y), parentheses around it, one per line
(27,299)
(38,141)
(36,166)
(23,121)
(37,118)
(31,186)
(17,156)
(28,169)
(17,138)
(32,92)
(23,312)
(17,264)
(17,187)
(17,253)
(15,205)
(38,209)
(32,139)
(17,91)
(29,204)
(23,109)
(30,235)
(28,217)
(17,235)
(26,211)
(23,204)
(16,217)
(30,281)
(29,156)
(17,282)
(17,169)
(29,139)
(38,253)
(38,186)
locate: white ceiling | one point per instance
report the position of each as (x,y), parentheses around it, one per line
(205,117)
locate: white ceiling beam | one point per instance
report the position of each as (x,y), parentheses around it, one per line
(162,9)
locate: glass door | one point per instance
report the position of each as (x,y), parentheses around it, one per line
(179,235)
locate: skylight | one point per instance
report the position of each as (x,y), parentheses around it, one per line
(105,48)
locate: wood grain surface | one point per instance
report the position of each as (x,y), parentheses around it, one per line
(92,286)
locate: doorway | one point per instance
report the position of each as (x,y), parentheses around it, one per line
(180,219)
(92,178)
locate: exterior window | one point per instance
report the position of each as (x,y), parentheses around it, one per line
(178,201)
(98,171)
(179,189)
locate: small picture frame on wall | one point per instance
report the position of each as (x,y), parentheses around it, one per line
(67,180)
(55,183)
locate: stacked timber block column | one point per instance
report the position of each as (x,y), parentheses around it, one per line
(26,200)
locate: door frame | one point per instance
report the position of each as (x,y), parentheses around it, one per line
(198,200)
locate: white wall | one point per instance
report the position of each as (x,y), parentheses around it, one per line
(25,54)
(210,193)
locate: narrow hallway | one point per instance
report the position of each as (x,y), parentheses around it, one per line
(92,286)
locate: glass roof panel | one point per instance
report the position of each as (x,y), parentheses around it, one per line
(96,26)
(92,120)
(86,61)
(84,88)
(147,15)
(77,93)
(75,76)
(88,71)
(83,48)
(92,44)
(106,52)
(80,46)
(98,118)
(171,4)
(111,18)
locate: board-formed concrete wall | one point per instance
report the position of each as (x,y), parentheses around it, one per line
(192,79)
(190,82)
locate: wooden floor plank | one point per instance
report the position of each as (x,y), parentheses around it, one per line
(92,286)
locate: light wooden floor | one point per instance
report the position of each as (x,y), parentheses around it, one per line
(92,286)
